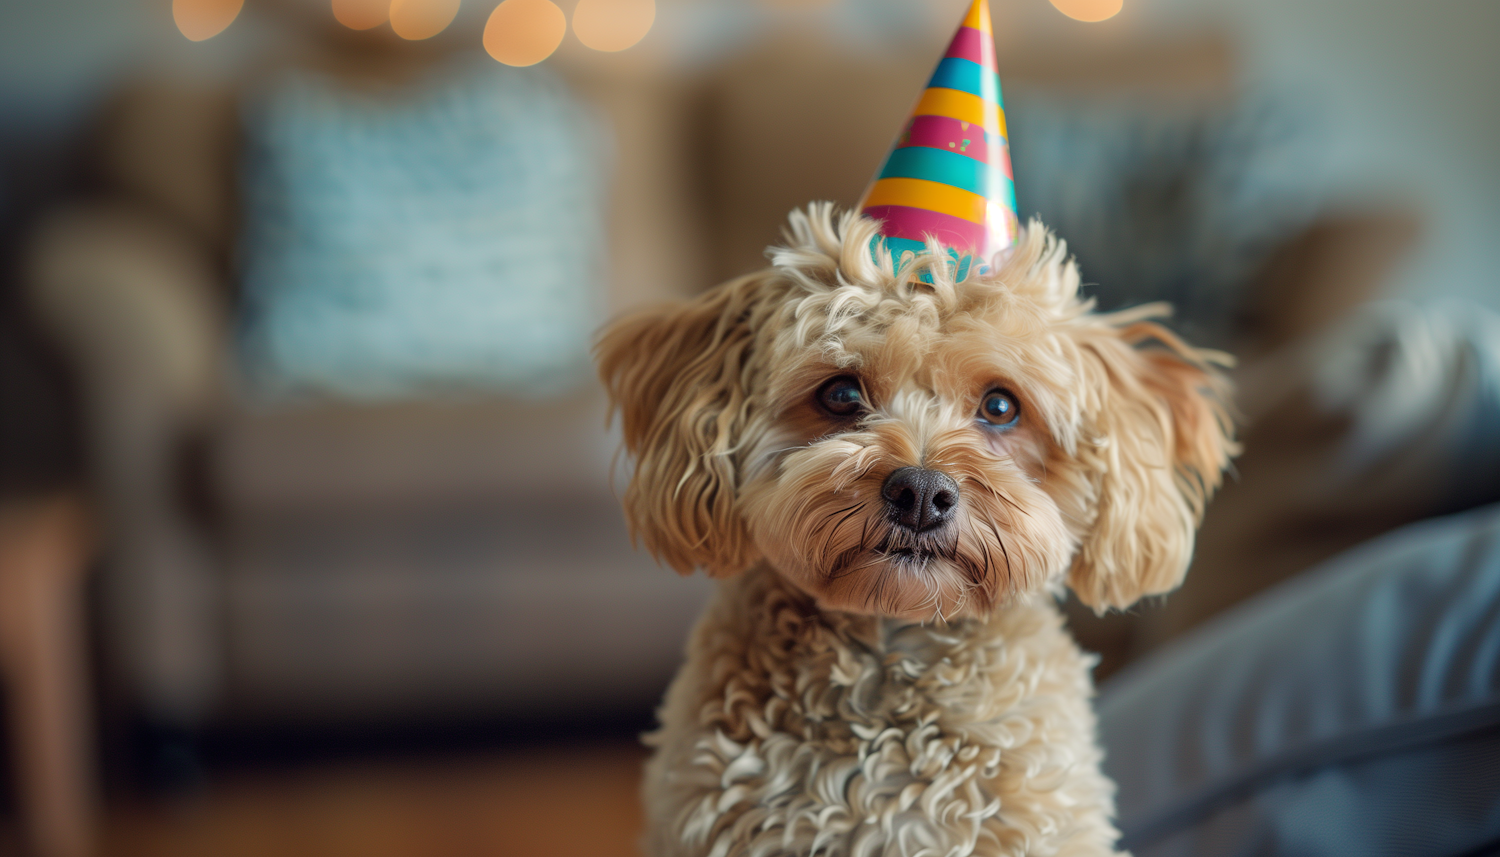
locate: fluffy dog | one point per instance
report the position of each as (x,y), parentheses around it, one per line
(894,475)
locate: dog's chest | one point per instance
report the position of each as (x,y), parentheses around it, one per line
(798,730)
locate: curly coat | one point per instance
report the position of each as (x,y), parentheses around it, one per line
(857,688)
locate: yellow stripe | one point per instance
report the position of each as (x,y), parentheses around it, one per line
(979,16)
(964,107)
(931,196)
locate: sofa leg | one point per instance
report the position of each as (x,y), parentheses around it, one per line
(44,552)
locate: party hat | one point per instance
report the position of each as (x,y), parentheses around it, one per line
(949,174)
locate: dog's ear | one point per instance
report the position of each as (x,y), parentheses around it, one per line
(677,376)
(1161,437)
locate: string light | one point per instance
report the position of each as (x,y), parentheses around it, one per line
(204,19)
(524,32)
(612,25)
(422,19)
(361,14)
(1089,10)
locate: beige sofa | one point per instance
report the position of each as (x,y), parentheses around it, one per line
(333,562)
(329,560)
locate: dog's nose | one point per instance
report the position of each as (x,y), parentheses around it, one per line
(920,499)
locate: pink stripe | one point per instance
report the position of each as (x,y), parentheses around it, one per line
(903,221)
(970,44)
(945,132)
(937,132)
(1003,153)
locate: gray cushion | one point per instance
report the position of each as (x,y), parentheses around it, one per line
(1352,710)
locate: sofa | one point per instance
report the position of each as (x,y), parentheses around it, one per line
(327,560)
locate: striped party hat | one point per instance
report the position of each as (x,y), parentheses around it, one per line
(949,174)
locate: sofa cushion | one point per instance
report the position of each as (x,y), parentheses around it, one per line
(529,607)
(327,455)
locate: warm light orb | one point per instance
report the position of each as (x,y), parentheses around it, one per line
(422,19)
(613,25)
(361,14)
(204,19)
(1089,10)
(524,32)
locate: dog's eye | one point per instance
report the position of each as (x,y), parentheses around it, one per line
(841,397)
(999,408)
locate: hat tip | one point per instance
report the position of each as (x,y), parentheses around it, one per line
(979,17)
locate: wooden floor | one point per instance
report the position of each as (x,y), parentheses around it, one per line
(576,803)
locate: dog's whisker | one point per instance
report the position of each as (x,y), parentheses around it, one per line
(834,530)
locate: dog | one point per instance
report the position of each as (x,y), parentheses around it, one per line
(894,474)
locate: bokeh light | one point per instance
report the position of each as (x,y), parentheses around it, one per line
(422,19)
(361,14)
(613,25)
(1089,10)
(204,19)
(524,32)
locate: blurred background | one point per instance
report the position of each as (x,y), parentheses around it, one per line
(307,539)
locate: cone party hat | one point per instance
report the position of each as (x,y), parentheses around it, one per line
(949,176)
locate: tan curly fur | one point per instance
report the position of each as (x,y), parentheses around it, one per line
(863,688)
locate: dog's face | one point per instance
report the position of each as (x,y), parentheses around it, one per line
(914,449)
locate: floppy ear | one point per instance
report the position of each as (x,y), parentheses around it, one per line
(677,375)
(1162,437)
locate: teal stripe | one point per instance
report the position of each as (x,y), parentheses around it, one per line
(949,168)
(899,247)
(967,76)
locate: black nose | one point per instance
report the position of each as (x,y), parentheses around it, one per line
(920,499)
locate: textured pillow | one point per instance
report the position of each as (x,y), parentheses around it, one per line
(444,236)
(1169,202)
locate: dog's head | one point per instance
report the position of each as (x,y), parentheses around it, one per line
(911,448)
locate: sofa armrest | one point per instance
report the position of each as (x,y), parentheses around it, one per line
(134,305)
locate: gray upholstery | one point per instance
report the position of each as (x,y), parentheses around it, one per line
(1352,710)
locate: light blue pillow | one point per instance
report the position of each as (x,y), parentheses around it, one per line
(445,236)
